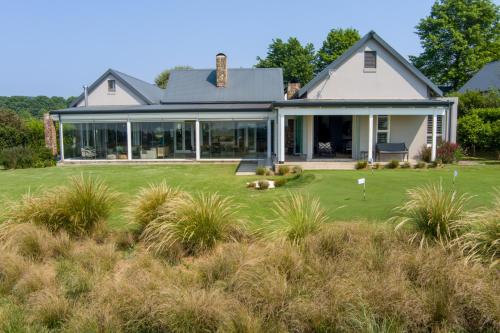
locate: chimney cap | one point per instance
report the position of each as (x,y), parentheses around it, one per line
(220,54)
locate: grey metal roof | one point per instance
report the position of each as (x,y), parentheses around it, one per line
(185,107)
(353,49)
(149,93)
(485,79)
(360,102)
(243,85)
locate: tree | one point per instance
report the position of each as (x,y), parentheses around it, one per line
(162,78)
(458,38)
(26,106)
(12,129)
(296,60)
(336,43)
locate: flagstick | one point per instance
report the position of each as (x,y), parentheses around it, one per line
(364,191)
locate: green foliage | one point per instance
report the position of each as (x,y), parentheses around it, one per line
(425,153)
(263,184)
(297,170)
(296,60)
(432,212)
(449,152)
(34,106)
(393,164)
(162,79)
(283,170)
(337,42)
(421,165)
(20,157)
(260,171)
(477,100)
(406,165)
(458,38)
(12,129)
(280,182)
(297,216)
(361,165)
(473,132)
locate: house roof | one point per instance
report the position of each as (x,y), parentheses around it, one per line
(485,79)
(243,85)
(149,93)
(353,49)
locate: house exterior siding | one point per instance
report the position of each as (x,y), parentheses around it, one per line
(121,96)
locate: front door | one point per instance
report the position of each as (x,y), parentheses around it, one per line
(184,137)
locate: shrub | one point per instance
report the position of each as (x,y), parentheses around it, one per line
(78,208)
(406,165)
(376,165)
(425,153)
(260,171)
(420,165)
(30,241)
(269,172)
(449,152)
(283,170)
(192,223)
(145,206)
(361,165)
(12,267)
(49,308)
(297,170)
(297,216)
(263,184)
(393,164)
(480,241)
(432,212)
(17,157)
(280,182)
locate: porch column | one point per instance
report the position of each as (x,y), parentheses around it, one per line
(370,138)
(269,142)
(61,142)
(281,138)
(197,139)
(129,140)
(434,132)
(309,137)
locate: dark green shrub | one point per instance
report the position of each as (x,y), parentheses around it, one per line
(406,165)
(283,170)
(393,164)
(260,171)
(361,165)
(280,182)
(425,153)
(17,158)
(420,165)
(263,184)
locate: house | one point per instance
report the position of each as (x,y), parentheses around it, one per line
(369,96)
(485,79)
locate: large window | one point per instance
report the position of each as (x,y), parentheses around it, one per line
(233,139)
(162,140)
(439,129)
(104,141)
(383,129)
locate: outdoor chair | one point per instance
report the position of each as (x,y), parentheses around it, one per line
(326,149)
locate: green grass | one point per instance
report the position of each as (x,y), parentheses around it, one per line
(338,191)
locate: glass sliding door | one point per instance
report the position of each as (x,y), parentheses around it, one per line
(162,140)
(105,141)
(233,139)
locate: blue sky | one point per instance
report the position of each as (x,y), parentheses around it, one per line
(54,47)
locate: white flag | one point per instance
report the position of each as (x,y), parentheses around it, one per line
(361,181)
(455,173)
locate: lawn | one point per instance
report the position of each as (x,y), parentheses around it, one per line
(338,190)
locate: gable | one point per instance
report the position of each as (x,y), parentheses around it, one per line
(122,95)
(393,78)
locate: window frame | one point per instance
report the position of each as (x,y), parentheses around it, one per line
(387,131)
(439,129)
(374,53)
(111,89)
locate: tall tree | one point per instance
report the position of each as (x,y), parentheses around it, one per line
(458,38)
(337,42)
(162,79)
(296,60)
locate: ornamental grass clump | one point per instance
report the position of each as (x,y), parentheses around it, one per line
(145,206)
(192,224)
(79,208)
(433,213)
(481,240)
(297,216)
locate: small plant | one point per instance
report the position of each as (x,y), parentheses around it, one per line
(251,185)
(263,184)
(393,164)
(361,165)
(376,166)
(145,206)
(260,171)
(425,153)
(406,165)
(283,170)
(297,216)
(193,223)
(280,182)
(270,173)
(432,212)
(420,165)
(297,170)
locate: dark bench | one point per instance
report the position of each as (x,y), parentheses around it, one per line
(391,148)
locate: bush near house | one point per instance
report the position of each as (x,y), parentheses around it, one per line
(393,164)
(361,165)
(449,152)
(260,171)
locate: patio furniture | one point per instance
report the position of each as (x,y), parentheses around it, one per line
(162,152)
(88,152)
(391,148)
(326,149)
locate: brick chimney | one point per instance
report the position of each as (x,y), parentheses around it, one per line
(221,70)
(292,90)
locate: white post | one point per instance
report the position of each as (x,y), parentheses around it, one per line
(61,142)
(281,138)
(309,125)
(197,139)
(370,138)
(129,140)
(269,138)
(434,132)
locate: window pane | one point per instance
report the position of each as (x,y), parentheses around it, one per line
(153,140)
(381,137)
(383,123)
(370,59)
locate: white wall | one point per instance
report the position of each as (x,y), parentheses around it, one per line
(122,95)
(391,80)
